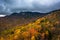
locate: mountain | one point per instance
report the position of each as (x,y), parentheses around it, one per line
(17,19)
(43,28)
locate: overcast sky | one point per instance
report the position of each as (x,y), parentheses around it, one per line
(9,6)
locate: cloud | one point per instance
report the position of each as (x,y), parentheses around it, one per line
(2,15)
(47,2)
(29,5)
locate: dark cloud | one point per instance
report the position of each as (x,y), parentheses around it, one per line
(9,6)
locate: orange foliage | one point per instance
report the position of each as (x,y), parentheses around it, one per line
(26,34)
(32,31)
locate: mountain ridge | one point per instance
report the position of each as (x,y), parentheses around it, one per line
(44,28)
(21,18)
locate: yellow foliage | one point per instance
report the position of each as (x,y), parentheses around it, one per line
(1,38)
(26,34)
(33,38)
(38,21)
(15,37)
(32,30)
(47,33)
(17,31)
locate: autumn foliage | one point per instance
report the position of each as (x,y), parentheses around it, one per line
(42,29)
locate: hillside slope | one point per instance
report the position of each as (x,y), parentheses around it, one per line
(45,28)
(18,19)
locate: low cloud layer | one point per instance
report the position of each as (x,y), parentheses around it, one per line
(9,6)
